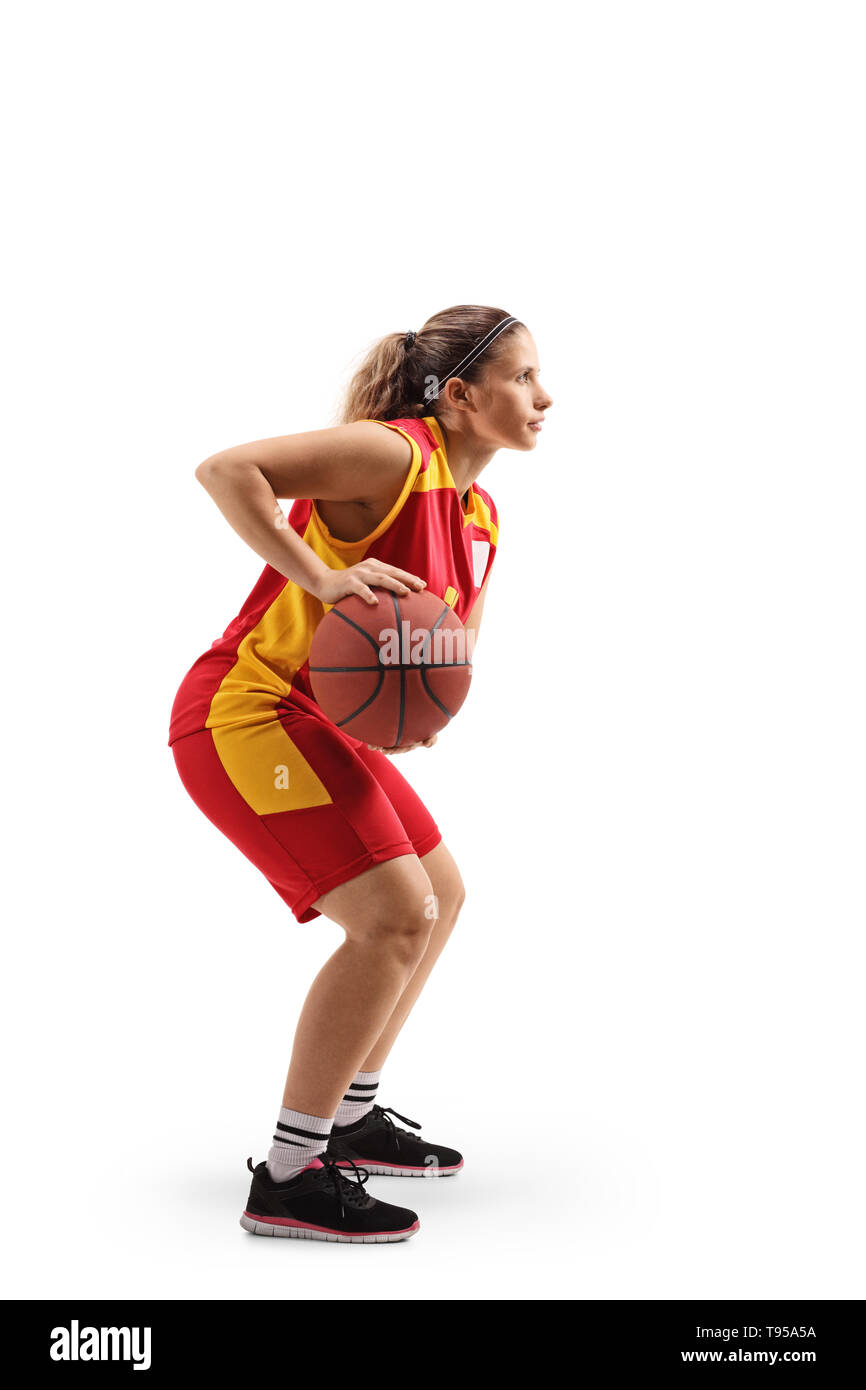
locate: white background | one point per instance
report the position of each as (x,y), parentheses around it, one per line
(646,1033)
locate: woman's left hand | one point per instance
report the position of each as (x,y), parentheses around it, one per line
(405,747)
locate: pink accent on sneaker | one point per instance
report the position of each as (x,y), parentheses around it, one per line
(314,1163)
(329,1230)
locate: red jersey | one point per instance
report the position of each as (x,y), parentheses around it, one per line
(261,660)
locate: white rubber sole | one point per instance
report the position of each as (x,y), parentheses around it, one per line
(379,1170)
(257,1227)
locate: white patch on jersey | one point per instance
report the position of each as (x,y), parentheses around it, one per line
(480,552)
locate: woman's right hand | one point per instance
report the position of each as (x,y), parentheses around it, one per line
(358,579)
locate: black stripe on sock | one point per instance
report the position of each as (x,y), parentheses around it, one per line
(305,1133)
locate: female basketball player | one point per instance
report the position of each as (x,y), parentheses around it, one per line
(390,502)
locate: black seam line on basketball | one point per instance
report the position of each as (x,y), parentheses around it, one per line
(402,706)
(429,636)
(357,626)
(344,668)
(307,1133)
(361,708)
(433,697)
(402,676)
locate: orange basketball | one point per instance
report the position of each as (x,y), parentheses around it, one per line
(394,672)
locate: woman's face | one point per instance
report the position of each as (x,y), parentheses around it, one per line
(510,402)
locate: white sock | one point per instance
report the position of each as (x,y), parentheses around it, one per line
(299,1139)
(359,1099)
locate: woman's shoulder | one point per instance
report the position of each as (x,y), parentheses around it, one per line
(417,431)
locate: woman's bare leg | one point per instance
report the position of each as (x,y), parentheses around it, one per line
(449,893)
(351,1000)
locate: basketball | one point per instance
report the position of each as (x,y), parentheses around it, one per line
(391,673)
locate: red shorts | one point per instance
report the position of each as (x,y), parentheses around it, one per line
(346,807)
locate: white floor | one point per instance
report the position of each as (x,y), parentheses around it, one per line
(654,1078)
(651,1208)
(604,1226)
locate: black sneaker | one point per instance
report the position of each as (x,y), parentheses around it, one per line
(382,1147)
(321,1203)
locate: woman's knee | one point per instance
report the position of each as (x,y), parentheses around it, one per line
(448,887)
(387,907)
(400,929)
(459,895)
(403,933)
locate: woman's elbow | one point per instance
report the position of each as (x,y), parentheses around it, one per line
(208,470)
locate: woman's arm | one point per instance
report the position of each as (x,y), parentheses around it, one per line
(473,622)
(359,463)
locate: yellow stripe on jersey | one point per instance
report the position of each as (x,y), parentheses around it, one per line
(268,769)
(260,760)
(480,515)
